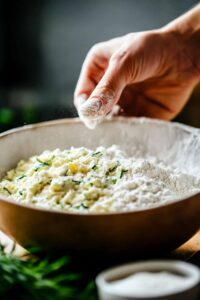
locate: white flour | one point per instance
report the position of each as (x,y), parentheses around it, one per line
(151,182)
(92,123)
(100,180)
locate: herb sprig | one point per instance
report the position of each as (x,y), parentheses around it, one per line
(41,278)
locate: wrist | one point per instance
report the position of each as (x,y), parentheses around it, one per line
(186,31)
(189,44)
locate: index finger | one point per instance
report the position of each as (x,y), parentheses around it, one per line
(92,71)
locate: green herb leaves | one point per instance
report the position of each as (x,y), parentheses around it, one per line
(98,153)
(76,181)
(112,169)
(82,205)
(114,181)
(122,172)
(94,167)
(46,278)
(21,177)
(43,163)
(7,190)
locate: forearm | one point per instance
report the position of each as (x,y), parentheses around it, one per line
(189,23)
(187,29)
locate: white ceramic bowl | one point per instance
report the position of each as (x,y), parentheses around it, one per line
(188,291)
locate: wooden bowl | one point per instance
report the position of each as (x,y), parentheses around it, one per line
(144,231)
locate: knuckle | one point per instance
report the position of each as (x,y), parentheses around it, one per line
(130,36)
(120,57)
(95,49)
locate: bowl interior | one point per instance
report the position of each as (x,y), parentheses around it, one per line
(173,143)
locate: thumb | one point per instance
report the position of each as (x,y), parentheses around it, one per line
(106,94)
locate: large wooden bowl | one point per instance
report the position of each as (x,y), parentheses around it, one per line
(158,229)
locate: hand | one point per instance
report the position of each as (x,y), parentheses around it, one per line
(148,73)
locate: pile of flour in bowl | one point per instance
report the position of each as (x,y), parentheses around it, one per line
(100,180)
(150,182)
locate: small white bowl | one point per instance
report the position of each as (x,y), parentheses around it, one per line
(188,291)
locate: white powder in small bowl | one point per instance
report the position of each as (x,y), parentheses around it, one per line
(143,284)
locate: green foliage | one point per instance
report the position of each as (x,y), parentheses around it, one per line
(30,114)
(42,279)
(6,115)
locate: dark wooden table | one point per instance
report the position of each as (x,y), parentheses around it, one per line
(190,251)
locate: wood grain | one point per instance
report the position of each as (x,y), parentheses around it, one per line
(190,248)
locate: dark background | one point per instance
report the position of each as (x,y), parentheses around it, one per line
(43,44)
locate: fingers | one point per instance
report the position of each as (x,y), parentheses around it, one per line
(131,63)
(107,92)
(94,67)
(92,71)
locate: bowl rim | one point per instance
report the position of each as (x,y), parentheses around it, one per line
(131,120)
(140,120)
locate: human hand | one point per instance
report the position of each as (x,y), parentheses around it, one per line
(148,73)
